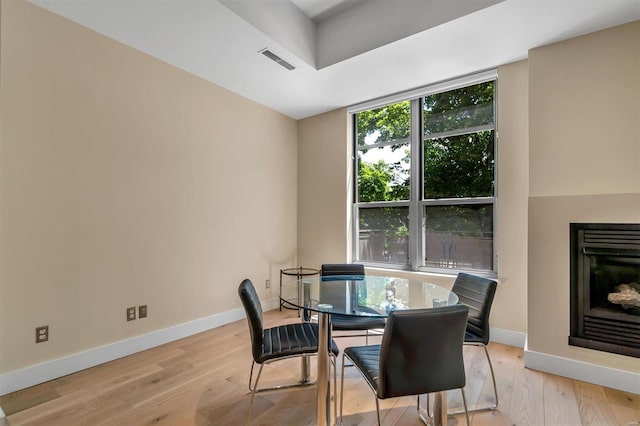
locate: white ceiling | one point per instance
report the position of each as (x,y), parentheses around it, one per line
(345,51)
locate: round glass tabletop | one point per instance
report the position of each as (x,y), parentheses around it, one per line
(373,296)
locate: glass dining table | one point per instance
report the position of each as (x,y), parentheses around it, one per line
(359,296)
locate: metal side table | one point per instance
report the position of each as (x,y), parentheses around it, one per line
(299,272)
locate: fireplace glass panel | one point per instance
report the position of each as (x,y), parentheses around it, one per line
(607,273)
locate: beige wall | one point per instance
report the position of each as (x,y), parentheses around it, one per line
(509,310)
(585,96)
(324,189)
(584,116)
(126,181)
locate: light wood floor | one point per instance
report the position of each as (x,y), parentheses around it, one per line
(202,380)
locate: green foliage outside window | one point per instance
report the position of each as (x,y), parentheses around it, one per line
(459,166)
(392,122)
(458,109)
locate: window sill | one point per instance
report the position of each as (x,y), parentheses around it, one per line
(424,275)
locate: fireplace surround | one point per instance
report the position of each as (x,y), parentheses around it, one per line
(605,279)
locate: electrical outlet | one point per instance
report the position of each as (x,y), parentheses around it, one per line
(267,283)
(142,311)
(131,313)
(42,334)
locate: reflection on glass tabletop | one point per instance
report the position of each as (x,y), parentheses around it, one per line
(364,296)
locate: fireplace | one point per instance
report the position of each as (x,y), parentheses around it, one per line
(605,287)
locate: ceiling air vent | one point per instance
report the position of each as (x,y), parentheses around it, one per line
(277,59)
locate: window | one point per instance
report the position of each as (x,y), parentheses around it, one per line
(425,180)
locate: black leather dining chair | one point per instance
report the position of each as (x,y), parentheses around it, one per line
(277,343)
(421,353)
(477,294)
(344,323)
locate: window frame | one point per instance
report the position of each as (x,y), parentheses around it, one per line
(417,203)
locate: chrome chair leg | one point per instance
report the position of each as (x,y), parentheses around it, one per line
(493,378)
(424,415)
(335,389)
(253,391)
(251,375)
(342,388)
(464,402)
(428,405)
(377,409)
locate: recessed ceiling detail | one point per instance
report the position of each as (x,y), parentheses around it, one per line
(332,31)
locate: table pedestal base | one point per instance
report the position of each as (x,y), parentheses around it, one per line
(324,385)
(439,410)
(305,370)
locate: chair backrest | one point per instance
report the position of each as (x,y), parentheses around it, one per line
(332,269)
(350,272)
(477,294)
(421,351)
(253,309)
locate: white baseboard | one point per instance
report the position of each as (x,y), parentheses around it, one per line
(49,370)
(508,337)
(578,370)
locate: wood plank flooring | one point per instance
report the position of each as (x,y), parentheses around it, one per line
(202,380)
